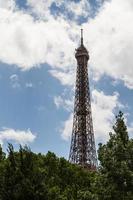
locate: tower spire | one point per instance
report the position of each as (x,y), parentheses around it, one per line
(81,37)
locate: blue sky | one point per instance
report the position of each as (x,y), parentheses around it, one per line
(37,69)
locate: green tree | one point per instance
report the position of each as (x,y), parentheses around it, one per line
(25,175)
(2,167)
(116,159)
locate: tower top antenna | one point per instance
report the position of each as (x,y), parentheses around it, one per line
(81,37)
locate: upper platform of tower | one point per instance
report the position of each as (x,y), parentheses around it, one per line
(82,51)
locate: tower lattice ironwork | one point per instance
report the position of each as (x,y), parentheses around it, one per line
(82,150)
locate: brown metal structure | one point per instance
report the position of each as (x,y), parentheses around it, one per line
(82,150)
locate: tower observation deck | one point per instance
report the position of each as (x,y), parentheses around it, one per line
(82,149)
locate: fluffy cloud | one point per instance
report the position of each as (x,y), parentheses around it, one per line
(109,37)
(27,42)
(65,77)
(67,104)
(103,107)
(42,9)
(66,130)
(18,136)
(78,9)
(8,4)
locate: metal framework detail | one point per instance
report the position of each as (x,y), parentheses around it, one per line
(82,150)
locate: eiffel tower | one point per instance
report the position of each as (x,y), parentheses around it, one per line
(82,149)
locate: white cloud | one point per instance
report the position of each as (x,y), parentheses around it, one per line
(42,9)
(130,130)
(108,36)
(60,101)
(7,4)
(66,130)
(103,107)
(65,77)
(18,136)
(28,85)
(14,81)
(28,44)
(79,9)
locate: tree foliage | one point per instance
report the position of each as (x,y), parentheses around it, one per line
(116,164)
(25,175)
